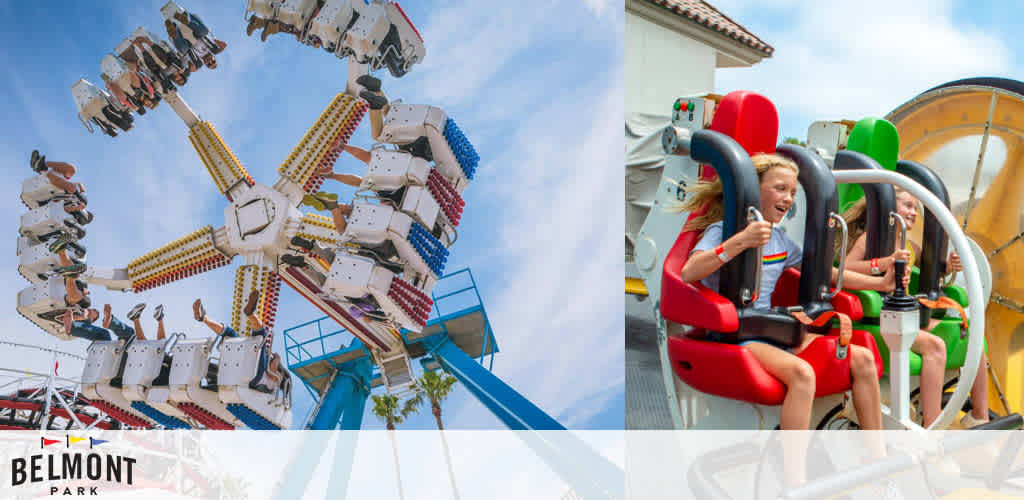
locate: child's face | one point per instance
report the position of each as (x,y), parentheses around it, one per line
(778,188)
(906,206)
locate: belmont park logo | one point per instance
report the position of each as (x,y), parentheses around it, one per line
(74,466)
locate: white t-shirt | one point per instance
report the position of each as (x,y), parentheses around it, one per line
(780,253)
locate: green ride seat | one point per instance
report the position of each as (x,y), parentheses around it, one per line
(948,328)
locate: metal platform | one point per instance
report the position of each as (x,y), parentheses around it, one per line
(316,349)
(646,403)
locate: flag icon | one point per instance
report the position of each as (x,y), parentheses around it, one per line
(47,442)
(72,440)
(94,442)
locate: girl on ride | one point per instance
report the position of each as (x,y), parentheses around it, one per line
(931,348)
(778,182)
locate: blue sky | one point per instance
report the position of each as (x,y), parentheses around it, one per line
(848,60)
(540,98)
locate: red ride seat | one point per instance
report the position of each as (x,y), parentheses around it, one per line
(730,370)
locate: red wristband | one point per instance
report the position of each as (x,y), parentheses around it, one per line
(720,253)
(874,267)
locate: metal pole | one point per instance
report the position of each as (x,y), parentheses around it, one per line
(962,247)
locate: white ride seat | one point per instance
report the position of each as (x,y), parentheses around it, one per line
(331,23)
(390,170)
(35,260)
(43,304)
(239,362)
(355,276)
(295,13)
(43,222)
(454,157)
(118,73)
(38,190)
(154,39)
(403,45)
(169,9)
(103,367)
(372,225)
(363,39)
(263,9)
(145,378)
(90,101)
(193,384)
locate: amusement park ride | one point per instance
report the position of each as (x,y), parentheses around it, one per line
(376,279)
(712,134)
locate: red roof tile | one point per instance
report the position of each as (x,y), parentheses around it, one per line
(704,14)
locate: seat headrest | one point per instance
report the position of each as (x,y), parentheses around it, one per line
(750,119)
(876,138)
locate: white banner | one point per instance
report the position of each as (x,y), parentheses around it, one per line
(313,464)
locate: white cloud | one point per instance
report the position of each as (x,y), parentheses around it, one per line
(844,60)
(560,232)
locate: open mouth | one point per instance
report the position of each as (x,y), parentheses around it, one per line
(781,210)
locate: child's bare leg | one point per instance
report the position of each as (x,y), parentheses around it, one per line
(138,329)
(274,367)
(933,366)
(217,328)
(979,391)
(360,153)
(62,168)
(340,216)
(67,319)
(347,179)
(63,258)
(73,294)
(160,334)
(797,375)
(377,120)
(61,182)
(106,316)
(866,394)
(254,322)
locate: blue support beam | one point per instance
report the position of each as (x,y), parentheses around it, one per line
(346,395)
(515,411)
(352,415)
(589,473)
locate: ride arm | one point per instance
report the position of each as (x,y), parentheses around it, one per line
(197,252)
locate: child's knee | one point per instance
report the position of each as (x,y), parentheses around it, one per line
(862,361)
(800,377)
(932,346)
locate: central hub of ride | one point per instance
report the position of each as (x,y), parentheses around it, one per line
(256,220)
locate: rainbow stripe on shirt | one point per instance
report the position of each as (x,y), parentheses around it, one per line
(777,258)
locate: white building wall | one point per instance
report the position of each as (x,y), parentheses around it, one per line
(662,65)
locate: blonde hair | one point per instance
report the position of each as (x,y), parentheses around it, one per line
(856,224)
(705,192)
(857,220)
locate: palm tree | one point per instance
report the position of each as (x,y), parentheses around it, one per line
(385,406)
(436,387)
